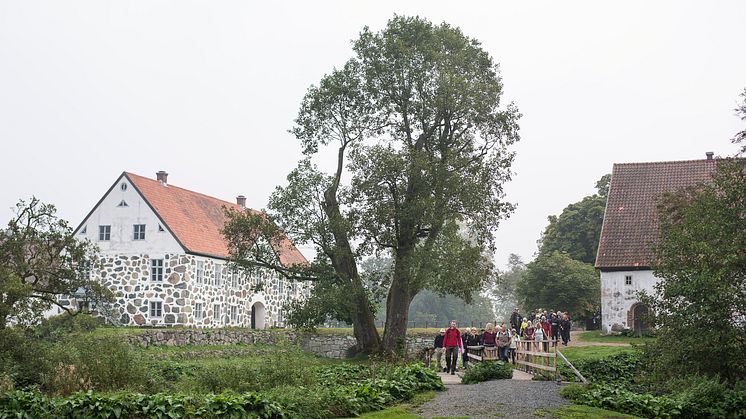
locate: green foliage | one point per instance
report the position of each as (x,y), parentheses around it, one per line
(560,282)
(577,229)
(85,361)
(573,391)
(415,119)
(57,327)
(23,359)
(29,404)
(617,369)
(740,136)
(40,260)
(614,398)
(351,395)
(700,300)
(485,371)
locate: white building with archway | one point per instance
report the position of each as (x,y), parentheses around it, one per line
(163,255)
(630,231)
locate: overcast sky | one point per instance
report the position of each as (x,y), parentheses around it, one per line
(207,91)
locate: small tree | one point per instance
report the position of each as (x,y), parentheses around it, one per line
(560,282)
(700,301)
(41,260)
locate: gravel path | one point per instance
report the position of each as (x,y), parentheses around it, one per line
(491,399)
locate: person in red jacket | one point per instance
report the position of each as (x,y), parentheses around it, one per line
(453,345)
(547,328)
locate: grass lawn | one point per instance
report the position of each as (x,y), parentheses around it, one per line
(597,336)
(582,353)
(401,411)
(587,412)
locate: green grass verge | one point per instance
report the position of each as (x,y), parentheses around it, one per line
(587,412)
(582,353)
(401,411)
(597,336)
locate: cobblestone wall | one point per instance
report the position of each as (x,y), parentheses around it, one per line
(329,346)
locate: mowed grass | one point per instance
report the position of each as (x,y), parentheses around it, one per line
(584,353)
(402,411)
(586,412)
(598,336)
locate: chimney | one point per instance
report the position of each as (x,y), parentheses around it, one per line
(241,201)
(162,177)
(709,155)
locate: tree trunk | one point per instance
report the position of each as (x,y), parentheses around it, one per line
(397,311)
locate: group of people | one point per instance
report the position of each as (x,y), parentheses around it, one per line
(540,327)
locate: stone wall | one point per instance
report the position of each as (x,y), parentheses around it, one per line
(329,346)
(618,297)
(189,292)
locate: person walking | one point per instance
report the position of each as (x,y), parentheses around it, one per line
(515,319)
(438,345)
(546,328)
(524,324)
(453,345)
(471,340)
(538,336)
(554,329)
(565,325)
(503,343)
(514,338)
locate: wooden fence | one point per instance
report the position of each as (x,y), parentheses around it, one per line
(531,356)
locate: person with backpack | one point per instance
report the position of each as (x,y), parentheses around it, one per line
(453,345)
(438,345)
(503,343)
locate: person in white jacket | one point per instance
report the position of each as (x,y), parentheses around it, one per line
(539,338)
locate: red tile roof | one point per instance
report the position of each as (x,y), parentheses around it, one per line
(630,227)
(196,219)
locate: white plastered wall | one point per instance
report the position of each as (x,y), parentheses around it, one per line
(617,297)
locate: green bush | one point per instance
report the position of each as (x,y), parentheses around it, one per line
(57,327)
(618,399)
(618,369)
(484,371)
(28,404)
(704,397)
(23,359)
(573,391)
(103,363)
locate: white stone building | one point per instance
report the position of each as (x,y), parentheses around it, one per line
(163,256)
(630,230)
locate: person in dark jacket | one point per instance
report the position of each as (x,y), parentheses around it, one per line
(564,326)
(438,345)
(554,329)
(515,320)
(453,345)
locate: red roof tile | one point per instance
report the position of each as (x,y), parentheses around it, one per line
(630,227)
(196,219)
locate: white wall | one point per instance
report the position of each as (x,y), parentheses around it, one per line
(122,220)
(617,298)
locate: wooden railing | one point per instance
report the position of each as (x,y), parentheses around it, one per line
(531,356)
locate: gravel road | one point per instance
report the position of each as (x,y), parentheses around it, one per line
(491,399)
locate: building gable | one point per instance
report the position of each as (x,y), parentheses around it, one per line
(630,228)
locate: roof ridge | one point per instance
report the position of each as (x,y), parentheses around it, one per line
(191,191)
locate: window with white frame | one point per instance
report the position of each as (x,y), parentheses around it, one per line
(280,287)
(197,311)
(216,312)
(156,309)
(295,288)
(280,317)
(218,274)
(156,270)
(234,314)
(234,278)
(628,280)
(104,233)
(200,276)
(139,232)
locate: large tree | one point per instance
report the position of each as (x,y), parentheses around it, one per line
(414,120)
(700,300)
(577,229)
(41,260)
(557,281)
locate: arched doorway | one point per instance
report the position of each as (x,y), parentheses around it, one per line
(258,315)
(639,313)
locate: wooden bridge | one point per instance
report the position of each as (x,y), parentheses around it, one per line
(531,357)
